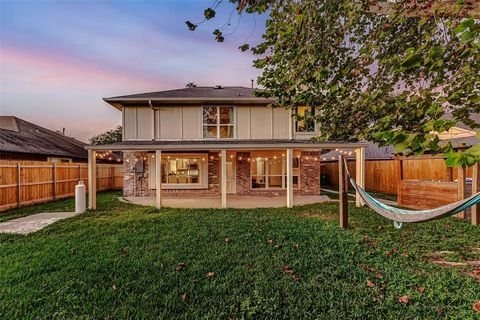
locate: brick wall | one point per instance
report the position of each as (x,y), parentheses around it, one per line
(135,184)
(214,172)
(310,172)
(242,173)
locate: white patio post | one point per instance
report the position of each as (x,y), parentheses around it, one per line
(359,173)
(289,178)
(92,180)
(158,178)
(223,182)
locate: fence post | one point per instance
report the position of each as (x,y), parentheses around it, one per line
(19,168)
(79,172)
(462,172)
(54,181)
(342,191)
(112,171)
(476,188)
(399,166)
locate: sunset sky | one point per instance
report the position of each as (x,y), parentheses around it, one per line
(58,59)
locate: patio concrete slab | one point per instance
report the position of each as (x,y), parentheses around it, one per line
(33,222)
(233,201)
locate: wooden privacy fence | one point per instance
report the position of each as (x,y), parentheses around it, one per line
(385,175)
(23,183)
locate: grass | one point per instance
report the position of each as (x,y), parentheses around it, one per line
(120,262)
(351,193)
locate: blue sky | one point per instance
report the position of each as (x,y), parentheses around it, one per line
(58,59)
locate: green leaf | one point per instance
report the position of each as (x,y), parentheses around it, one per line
(244,47)
(218,35)
(191,26)
(209,13)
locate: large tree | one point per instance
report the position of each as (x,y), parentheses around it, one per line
(377,71)
(107,137)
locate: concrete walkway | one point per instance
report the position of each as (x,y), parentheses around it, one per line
(233,201)
(33,222)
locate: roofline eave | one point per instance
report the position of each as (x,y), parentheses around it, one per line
(197,100)
(145,146)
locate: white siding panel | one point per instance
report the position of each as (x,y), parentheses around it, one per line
(157,124)
(145,123)
(130,125)
(192,123)
(243,122)
(261,123)
(280,123)
(171,123)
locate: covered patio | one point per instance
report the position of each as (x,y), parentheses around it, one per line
(233,201)
(290,152)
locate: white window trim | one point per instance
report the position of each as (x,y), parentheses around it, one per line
(305,133)
(218,125)
(203,174)
(267,175)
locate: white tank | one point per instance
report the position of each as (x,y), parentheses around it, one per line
(80,200)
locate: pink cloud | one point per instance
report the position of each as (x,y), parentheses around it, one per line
(52,68)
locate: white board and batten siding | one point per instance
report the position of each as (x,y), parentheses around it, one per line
(185,123)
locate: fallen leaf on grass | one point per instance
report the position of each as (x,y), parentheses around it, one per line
(379,228)
(476,272)
(184,297)
(210,275)
(269,241)
(295,246)
(114,287)
(287,269)
(420,289)
(370,284)
(378,275)
(295,277)
(180,266)
(476,306)
(227,240)
(404,299)
(123,251)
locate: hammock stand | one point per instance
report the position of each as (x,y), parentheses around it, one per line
(397,215)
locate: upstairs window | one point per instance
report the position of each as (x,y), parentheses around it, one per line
(305,119)
(218,122)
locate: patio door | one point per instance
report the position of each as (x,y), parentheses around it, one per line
(231,182)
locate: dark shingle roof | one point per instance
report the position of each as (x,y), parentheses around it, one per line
(200,92)
(20,136)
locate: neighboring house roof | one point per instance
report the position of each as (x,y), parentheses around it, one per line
(198,94)
(465,142)
(473,116)
(372,152)
(20,136)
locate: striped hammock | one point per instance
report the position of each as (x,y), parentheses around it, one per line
(400,216)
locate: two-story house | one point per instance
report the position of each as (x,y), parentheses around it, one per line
(217,141)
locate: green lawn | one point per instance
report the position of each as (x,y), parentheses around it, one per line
(120,262)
